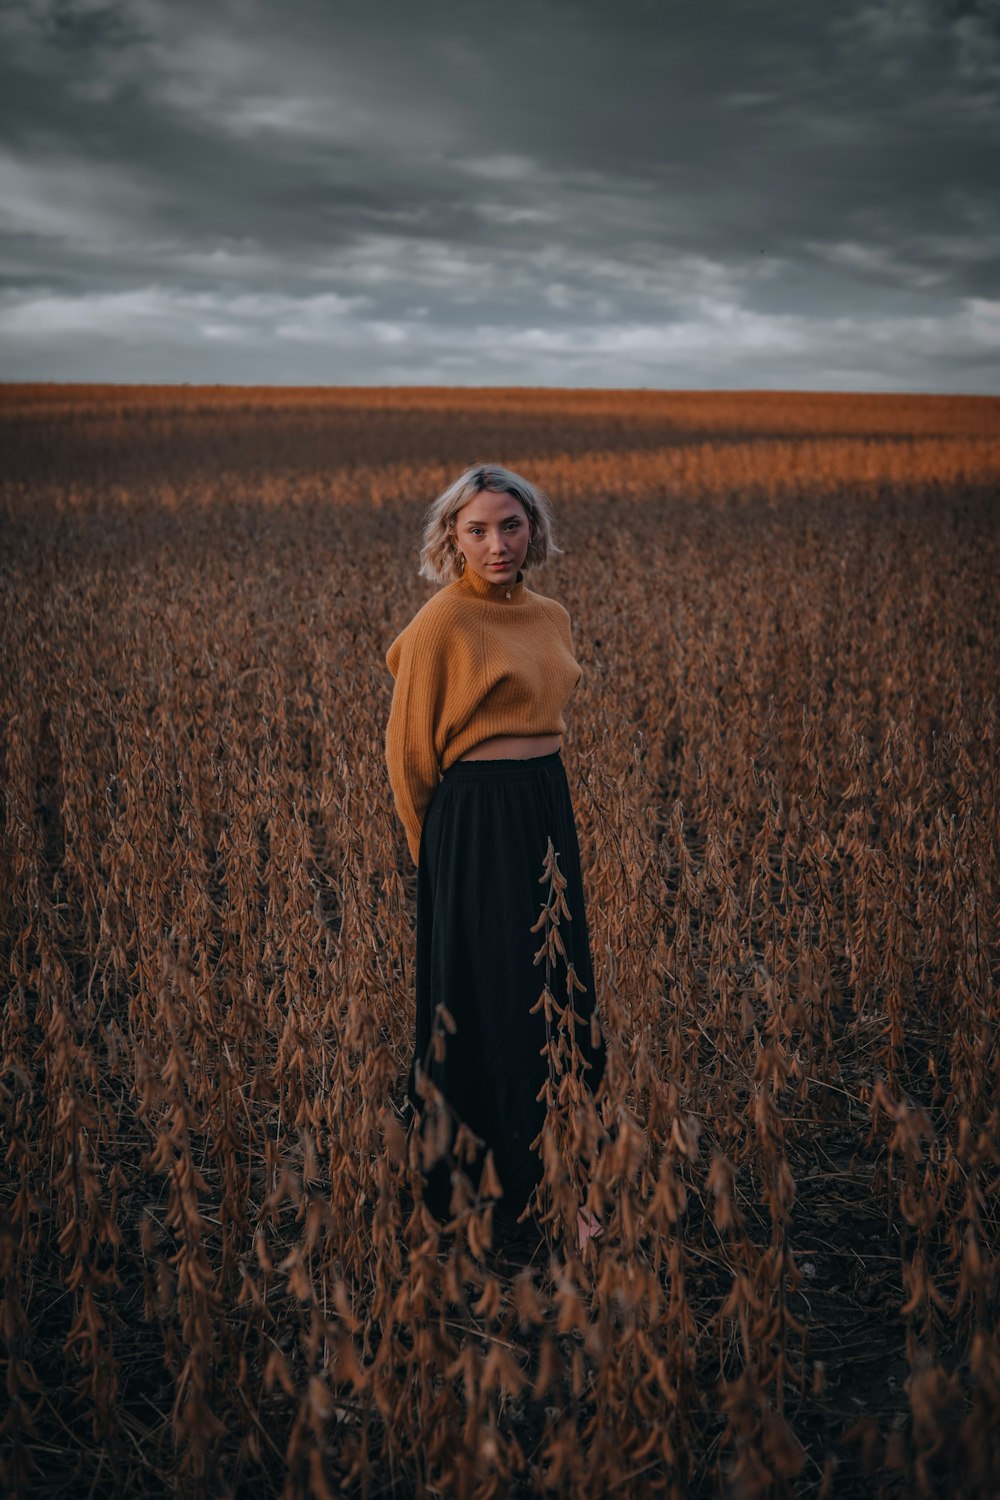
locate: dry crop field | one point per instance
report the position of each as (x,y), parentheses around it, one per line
(218,1274)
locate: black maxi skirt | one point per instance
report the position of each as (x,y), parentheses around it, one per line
(479,892)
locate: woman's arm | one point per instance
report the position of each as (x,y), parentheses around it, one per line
(410,752)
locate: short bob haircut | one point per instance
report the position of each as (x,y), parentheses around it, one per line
(439,555)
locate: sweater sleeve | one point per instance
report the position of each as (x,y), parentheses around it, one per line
(410,752)
(565,625)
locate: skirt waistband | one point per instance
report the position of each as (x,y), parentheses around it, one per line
(502,769)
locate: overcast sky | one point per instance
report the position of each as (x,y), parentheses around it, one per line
(775,193)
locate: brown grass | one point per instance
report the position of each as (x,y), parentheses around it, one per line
(219,1277)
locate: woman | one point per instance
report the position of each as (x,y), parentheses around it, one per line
(482,674)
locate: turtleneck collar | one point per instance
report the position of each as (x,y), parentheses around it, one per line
(496,593)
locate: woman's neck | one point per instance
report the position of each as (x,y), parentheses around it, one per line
(496,593)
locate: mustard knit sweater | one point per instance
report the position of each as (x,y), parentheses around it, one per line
(478,659)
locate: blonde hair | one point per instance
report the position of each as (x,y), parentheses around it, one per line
(439,555)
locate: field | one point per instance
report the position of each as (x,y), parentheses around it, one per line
(219,1278)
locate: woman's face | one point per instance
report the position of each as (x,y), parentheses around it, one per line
(494,532)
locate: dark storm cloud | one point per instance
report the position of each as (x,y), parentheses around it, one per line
(752,194)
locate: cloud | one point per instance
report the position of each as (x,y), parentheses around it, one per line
(176,316)
(157,326)
(50,199)
(615,189)
(876,262)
